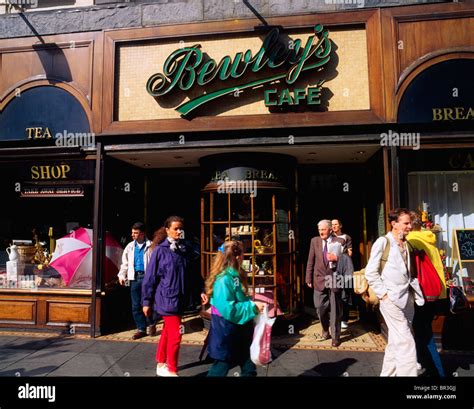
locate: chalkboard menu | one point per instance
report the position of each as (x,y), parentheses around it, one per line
(465,239)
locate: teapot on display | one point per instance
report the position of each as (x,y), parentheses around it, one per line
(12,252)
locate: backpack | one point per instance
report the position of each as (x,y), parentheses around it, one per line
(427,276)
(361,285)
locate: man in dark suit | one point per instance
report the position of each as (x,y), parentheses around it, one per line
(320,275)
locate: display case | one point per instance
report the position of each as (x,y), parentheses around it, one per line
(263,223)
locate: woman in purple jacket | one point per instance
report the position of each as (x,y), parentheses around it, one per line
(164,290)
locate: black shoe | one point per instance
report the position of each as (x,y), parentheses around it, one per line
(325,335)
(152,330)
(138,335)
(335,343)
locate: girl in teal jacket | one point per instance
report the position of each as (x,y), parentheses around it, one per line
(232,311)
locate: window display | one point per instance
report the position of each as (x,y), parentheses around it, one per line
(67,264)
(263,223)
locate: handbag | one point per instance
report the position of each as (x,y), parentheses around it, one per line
(260,352)
(458,302)
(427,275)
(361,285)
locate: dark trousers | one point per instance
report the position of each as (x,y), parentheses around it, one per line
(136,294)
(426,351)
(346,295)
(329,308)
(221,368)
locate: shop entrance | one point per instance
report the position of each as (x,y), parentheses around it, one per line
(343,182)
(136,189)
(353,193)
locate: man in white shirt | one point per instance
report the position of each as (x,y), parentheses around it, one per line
(134,262)
(397,290)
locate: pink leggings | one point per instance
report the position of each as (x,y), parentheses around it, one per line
(167,350)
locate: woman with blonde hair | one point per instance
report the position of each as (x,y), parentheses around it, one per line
(232,313)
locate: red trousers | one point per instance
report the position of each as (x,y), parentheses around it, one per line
(167,350)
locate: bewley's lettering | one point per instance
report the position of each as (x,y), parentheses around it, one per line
(184,67)
(187,66)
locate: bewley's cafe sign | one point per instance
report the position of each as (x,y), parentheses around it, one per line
(186,67)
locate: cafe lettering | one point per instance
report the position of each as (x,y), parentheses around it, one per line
(187,67)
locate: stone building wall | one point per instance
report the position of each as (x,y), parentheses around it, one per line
(158,12)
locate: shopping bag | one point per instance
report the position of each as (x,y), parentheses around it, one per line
(260,349)
(458,302)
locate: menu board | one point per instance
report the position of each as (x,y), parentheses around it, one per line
(465,242)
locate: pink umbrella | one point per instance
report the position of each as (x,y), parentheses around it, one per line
(72,258)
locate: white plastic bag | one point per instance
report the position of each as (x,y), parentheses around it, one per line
(260,349)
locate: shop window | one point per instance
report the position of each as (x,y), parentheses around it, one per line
(449,197)
(264,230)
(46,225)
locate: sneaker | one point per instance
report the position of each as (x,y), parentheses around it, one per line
(152,330)
(163,371)
(160,370)
(344,324)
(138,335)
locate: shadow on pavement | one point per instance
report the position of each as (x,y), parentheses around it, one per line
(331,369)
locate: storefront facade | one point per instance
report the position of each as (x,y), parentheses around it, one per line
(324,89)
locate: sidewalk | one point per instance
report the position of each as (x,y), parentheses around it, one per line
(69,355)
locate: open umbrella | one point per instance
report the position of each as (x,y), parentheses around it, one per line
(72,258)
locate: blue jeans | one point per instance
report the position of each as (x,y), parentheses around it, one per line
(136,294)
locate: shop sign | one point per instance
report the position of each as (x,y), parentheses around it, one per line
(245,174)
(187,67)
(48,172)
(52,191)
(38,133)
(30,117)
(461,161)
(453,114)
(52,171)
(443,92)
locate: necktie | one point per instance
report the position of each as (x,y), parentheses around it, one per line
(325,253)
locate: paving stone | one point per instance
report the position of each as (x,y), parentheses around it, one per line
(85,365)
(26,367)
(25,343)
(10,356)
(109,348)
